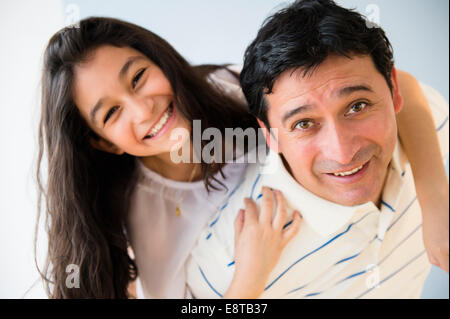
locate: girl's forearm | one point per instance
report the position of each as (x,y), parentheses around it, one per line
(419,138)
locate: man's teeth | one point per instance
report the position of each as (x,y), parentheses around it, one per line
(349,172)
(161,122)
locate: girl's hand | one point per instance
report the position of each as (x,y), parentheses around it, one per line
(259,242)
(435,231)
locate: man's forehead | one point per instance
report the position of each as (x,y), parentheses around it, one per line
(326,80)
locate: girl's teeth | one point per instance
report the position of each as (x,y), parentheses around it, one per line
(349,172)
(161,123)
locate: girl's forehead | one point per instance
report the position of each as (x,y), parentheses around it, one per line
(107,56)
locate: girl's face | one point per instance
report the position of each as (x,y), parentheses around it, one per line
(128,101)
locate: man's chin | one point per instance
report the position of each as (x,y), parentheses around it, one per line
(353,197)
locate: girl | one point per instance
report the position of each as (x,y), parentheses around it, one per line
(112,95)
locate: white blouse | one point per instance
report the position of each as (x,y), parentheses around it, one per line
(162,241)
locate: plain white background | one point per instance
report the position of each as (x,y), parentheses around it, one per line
(202,31)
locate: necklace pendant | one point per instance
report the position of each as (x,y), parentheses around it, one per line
(178,211)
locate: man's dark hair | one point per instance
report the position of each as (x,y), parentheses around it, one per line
(303,35)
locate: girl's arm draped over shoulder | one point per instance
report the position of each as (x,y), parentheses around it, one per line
(419,138)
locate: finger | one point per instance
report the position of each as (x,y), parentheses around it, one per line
(431,258)
(280,215)
(251,211)
(443,261)
(444,264)
(291,230)
(238,225)
(265,215)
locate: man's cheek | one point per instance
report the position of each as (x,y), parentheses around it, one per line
(299,155)
(379,130)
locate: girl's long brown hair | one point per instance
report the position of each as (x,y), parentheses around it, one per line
(86,192)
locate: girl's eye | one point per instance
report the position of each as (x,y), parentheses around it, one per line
(357,107)
(137,77)
(110,113)
(303,125)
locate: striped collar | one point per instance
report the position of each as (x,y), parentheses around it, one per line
(323,216)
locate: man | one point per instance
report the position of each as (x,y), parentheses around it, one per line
(325,79)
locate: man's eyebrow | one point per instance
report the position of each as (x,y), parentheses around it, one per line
(341,92)
(351,89)
(122,74)
(297,110)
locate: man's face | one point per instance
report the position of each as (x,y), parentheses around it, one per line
(336,127)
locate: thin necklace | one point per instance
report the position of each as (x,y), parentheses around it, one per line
(178,204)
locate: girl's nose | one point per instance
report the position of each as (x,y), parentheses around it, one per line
(141,110)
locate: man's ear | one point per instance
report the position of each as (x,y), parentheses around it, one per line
(271,140)
(396,95)
(105,146)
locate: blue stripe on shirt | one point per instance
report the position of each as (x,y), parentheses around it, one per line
(209,284)
(226,203)
(442,125)
(296,289)
(317,249)
(313,294)
(352,276)
(388,206)
(400,243)
(404,211)
(348,258)
(254,185)
(284,272)
(214,221)
(385,257)
(393,274)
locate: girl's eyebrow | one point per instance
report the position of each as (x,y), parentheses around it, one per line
(122,74)
(127,65)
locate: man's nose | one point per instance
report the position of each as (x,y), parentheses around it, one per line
(339,143)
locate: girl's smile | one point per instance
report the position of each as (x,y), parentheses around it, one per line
(162,125)
(134,109)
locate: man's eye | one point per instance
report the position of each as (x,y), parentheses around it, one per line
(303,125)
(357,107)
(137,77)
(110,113)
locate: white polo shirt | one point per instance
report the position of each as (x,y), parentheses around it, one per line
(340,251)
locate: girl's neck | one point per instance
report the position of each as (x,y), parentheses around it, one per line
(164,166)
